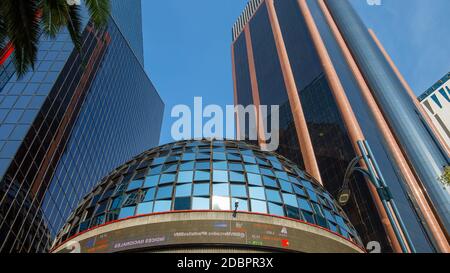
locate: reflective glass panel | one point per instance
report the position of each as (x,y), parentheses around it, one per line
(201,189)
(199,203)
(221,189)
(258,206)
(162,206)
(126,212)
(144,208)
(220,176)
(164,192)
(238,191)
(220,203)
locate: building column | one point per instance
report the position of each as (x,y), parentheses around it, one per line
(347,113)
(425,155)
(235,95)
(255,88)
(419,198)
(411,93)
(301,125)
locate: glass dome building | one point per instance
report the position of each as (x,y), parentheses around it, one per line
(208,194)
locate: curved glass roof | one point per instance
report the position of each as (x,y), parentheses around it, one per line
(209,175)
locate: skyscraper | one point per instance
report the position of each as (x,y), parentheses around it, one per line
(336,85)
(68,122)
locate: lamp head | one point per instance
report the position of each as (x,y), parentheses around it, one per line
(344,196)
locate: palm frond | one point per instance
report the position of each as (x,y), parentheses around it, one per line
(99,11)
(21,21)
(74,23)
(54,15)
(2,32)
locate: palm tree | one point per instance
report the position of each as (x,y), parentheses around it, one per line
(23,21)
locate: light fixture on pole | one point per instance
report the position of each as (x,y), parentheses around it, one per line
(374,175)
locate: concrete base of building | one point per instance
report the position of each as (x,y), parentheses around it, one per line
(208,232)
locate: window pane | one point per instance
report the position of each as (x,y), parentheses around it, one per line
(267,172)
(258,206)
(135,184)
(187,166)
(199,203)
(144,208)
(236,167)
(203,165)
(293,212)
(188,157)
(304,204)
(220,203)
(164,193)
(312,195)
(150,195)
(202,176)
(281,175)
(185,177)
(158,160)
(116,203)
(220,176)
(270,182)
(254,179)
(162,206)
(182,203)
(131,199)
(299,191)
(151,181)
(249,159)
(257,193)
(237,177)
(201,190)
(238,191)
(222,165)
(155,170)
(126,212)
(234,157)
(307,184)
(167,179)
(273,195)
(184,190)
(219,156)
(309,217)
(170,168)
(290,199)
(329,215)
(285,186)
(276,209)
(243,204)
(252,168)
(221,189)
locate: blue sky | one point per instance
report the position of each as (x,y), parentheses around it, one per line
(188,45)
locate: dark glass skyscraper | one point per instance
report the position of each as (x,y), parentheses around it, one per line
(336,85)
(68,122)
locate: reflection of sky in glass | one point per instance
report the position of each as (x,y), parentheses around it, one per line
(279,188)
(220,203)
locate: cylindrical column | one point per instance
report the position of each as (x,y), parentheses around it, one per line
(422,151)
(395,151)
(411,94)
(347,114)
(301,125)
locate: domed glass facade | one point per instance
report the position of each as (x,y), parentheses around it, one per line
(209,175)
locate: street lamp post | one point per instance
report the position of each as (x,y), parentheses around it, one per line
(375,176)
